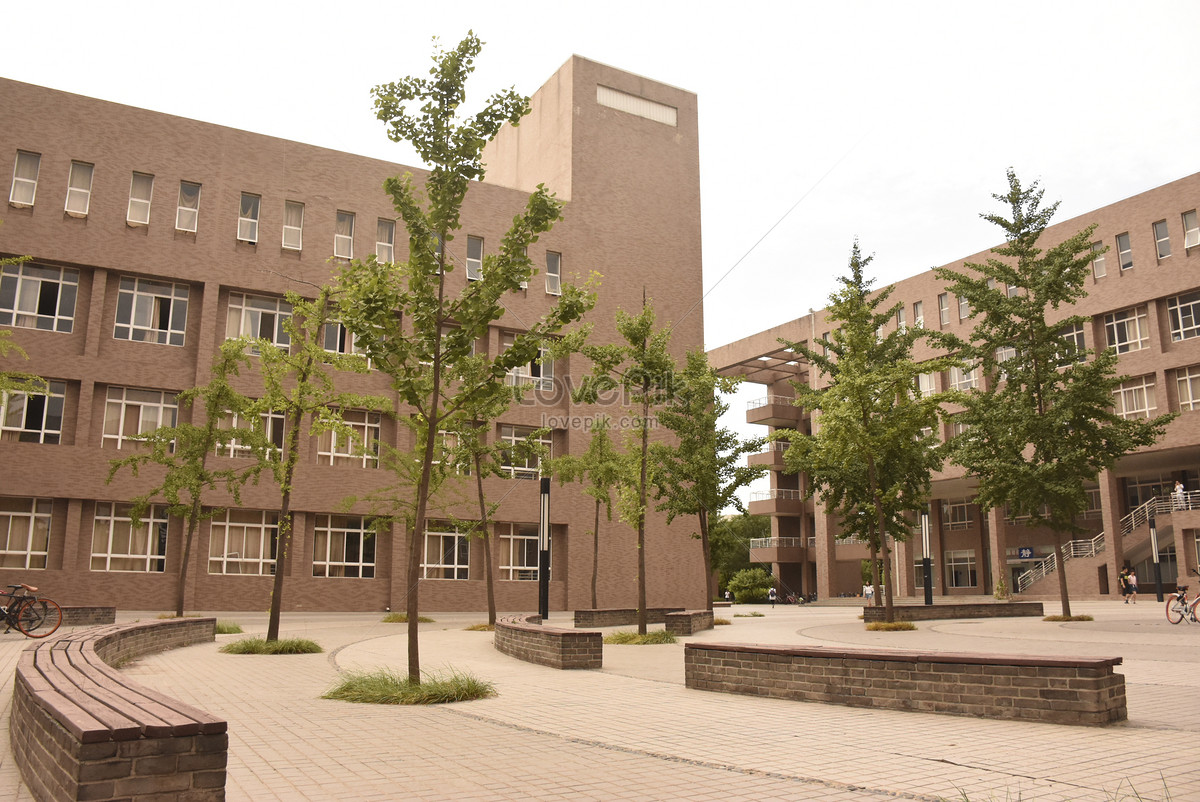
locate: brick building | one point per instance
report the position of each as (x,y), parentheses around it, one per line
(154,237)
(1144,301)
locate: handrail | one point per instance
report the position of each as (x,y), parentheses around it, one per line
(755,403)
(767,495)
(776,542)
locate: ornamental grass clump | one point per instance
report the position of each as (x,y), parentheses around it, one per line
(481,628)
(1068,618)
(386,687)
(280,646)
(891,626)
(627,638)
(402,618)
(229,628)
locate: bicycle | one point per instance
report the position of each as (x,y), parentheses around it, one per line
(32,616)
(1178,607)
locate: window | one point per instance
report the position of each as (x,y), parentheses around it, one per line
(447,553)
(343,236)
(1191,230)
(1127,330)
(956,513)
(960,568)
(825,344)
(256,316)
(33,418)
(963,379)
(339,340)
(1184,313)
(919,314)
(553,273)
(25,176)
(1076,344)
(243,542)
(944,309)
(141,190)
(293,225)
(187,214)
(901,321)
(272,430)
(957,426)
(1162,239)
(518,459)
(1098,268)
(518,551)
(919,572)
(1188,381)
(129,412)
(445,448)
(964,308)
(1013,290)
(1005,353)
(36,297)
(926,385)
(1124,251)
(1135,398)
(539,372)
(248,218)
(360,450)
(118,545)
(79,189)
(25,532)
(385,240)
(343,547)
(151,311)
(474,258)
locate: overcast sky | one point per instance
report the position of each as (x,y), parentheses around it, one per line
(892,122)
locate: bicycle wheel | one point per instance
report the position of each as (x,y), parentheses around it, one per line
(1175,610)
(39,618)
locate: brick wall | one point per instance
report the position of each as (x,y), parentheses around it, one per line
(621,617)
(921,612)
(526,639)
(88,616)
(1062,691)
(689,622)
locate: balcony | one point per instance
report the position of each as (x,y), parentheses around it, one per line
(776,502)
(777,550)
(772,457)
(774,410)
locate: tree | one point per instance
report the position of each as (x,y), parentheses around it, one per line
(701,474)
(874,450)
(600,467)
(183,451)
(729,540)
(402,316)
(298,383)
(1044,423)
(642,370)
(15,381)
(751,585)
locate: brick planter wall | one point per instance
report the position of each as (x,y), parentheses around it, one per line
(1063,691)
(621,617)
(689,622)
(88,616)
(931,612)
(81,730)
(524,638)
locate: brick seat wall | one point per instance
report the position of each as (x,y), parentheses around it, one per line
(931,612)
(622,617)
(689,622)
(524,638)
(81,730)
(88,616)
(1064,691)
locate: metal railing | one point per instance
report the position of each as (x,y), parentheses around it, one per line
(768,495)
(755,403)
(776,542)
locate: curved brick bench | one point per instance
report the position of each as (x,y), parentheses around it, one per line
(81,730)
(1060,690)
(622,617)
(524,638)
(88,616)
(689,622)
(934,612)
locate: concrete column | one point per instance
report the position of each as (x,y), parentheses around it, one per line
(1110,509)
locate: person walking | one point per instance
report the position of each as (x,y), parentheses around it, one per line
(772,596)
(1133,584)
(1123,583)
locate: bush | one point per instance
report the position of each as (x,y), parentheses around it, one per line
(751,585)
(1068,618)
(721,622)
(633,639)
(892,626)
(280,646)
(229,628)
(402,618)
(481,628)
(386,687)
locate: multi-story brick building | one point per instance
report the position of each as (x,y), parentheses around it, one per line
(1144,301)
(154,238)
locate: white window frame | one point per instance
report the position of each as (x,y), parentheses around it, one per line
(1099,270)
(553,273)
(32,417)
(337,339)
(1124,251)
(343,547)
(343,243)
(385,240)
(919,314)
(151,311)
(113,529)
(138,213)
(1135,398)
(243,543)
(964,307)
(926,384)
(961,570)
(359,451)
(1183,313)
(187,209)
(1187,381)
(27,186)
(1162,239)
(1076,341)
(539,372)
(474,258)
(963,380)
(1191,229)
(293,227)
(943,309)
(248,215)
(956,514)
(446,553)
(530,466)
(79,188)
(516,540)
(271,424)
(1127,330)
(25,529)
(38,297)
(130,411)
(248,314)
(901,318)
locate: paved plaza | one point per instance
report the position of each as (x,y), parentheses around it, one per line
(632,731)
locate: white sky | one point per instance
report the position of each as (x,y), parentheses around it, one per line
(892,122)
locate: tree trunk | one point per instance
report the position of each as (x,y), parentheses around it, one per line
(487,543)
(1062,574)
(193,519)
(283,542)
(709,589)
(595,555)
(641,532)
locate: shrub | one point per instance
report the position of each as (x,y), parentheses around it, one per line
(627,638)
(891,626)
(386,687)
(402,618)
(751,585)
(751,614)
(481,628)
(229,628)
(263,646)
(1068,618)
(721,622)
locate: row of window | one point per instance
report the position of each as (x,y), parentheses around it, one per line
(187,216)
(245,542)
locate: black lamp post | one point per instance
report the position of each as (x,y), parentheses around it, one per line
(1157,566)
(544,552)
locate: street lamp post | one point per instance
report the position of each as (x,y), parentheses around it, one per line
(544,552)
(926,562)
